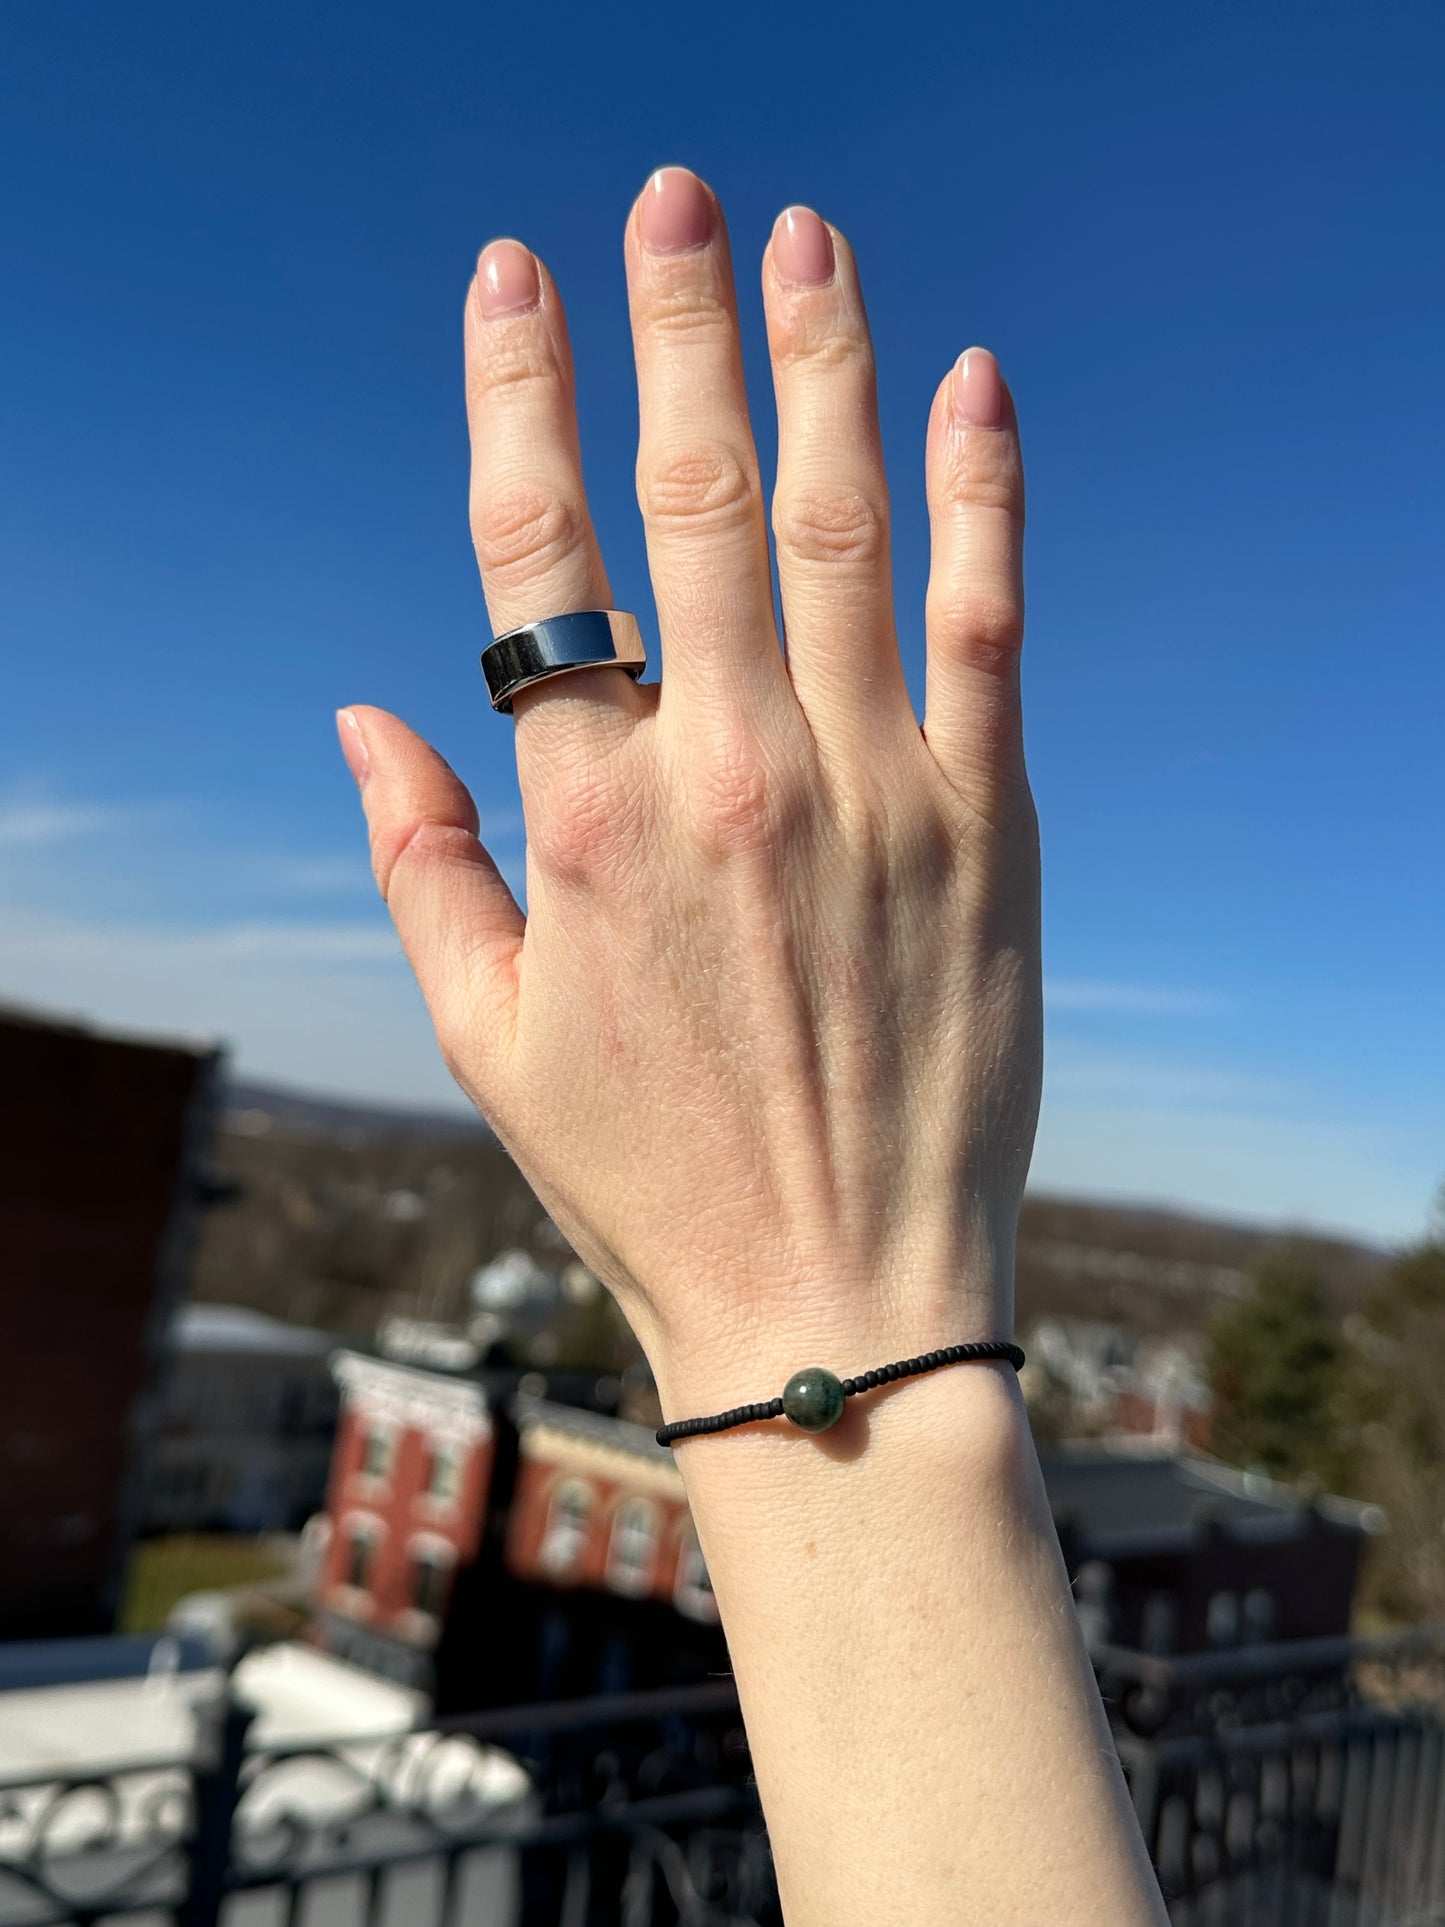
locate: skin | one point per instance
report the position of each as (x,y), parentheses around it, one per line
(767,1045)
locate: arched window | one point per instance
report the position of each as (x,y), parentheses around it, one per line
(378,1455)
(431,1586)
(632,1553)
(363,1536)
(444,1472)
(569,1517)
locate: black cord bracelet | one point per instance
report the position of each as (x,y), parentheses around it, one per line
(813,1399)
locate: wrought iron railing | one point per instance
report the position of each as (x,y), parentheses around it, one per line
(1292,1785)
(618,1812)
(1287,1786)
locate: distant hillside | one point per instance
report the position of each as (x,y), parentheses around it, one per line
(1159,1270)
(349,1211)
(256,1109)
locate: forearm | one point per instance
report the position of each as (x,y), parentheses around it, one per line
(929,1743)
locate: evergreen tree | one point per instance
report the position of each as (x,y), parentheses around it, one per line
(1402,1408)
(1278,1367)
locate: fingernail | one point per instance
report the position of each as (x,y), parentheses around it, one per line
(507,279)
(353,746)
(675,214)
(802,249)
(978,389)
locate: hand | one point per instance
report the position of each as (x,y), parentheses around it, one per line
(767,1043)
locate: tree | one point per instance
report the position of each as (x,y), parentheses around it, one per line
(1400,1339)
(1278,1368)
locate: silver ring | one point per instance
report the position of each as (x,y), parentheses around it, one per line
(591,639)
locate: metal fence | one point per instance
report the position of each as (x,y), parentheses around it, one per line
(621,1812)
(1284,1786)
(1294,1785)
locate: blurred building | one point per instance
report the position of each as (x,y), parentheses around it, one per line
(247,1410)
(1095,1377)
(1172,1553)
(102,1148)
(495,1538)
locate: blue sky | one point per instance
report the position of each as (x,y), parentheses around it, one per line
(1205,243)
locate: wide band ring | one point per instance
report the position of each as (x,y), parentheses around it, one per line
(590,639)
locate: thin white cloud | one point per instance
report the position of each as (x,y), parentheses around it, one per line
(319,875)
(33,942)
(329,1007)
(1144,1000)
(34,824)
(1077,1077)
(1274,1169)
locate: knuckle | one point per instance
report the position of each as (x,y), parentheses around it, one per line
(514,361)
(581,831)
(702,485)
(985,626)
(737,805)
(524,531)
(826,349)
(688,313)
(825,522)
(992,490)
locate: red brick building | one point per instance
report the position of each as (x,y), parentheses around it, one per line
(488,1543)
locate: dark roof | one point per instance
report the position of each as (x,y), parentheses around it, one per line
(1121,1499)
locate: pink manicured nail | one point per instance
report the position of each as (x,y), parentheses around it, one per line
(675,214)
(353,746)
(802,248)
(507,280)
(978,398)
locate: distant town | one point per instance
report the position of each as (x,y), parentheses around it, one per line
(317,1428)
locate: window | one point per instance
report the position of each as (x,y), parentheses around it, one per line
(430,1582)
(568,1519)
(444,1476)
(360,1558)
(693,1593)
(633,1552)
(379,1452)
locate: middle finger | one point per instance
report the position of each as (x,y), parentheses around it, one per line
(697,469)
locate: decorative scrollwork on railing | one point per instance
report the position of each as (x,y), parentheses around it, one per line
(113,1841)
(713,1878)
(301,1803)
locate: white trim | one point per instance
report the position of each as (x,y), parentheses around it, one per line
(433,1544)
(379,1393)
(573,1456)
(359,1523)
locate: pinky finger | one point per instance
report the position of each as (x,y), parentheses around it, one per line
(459,924)
(975,591)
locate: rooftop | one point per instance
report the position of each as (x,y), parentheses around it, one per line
(232,1328)
(1119,1494)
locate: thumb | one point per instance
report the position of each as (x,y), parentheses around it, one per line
(459,924)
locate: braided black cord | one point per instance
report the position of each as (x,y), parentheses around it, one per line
(978,1350)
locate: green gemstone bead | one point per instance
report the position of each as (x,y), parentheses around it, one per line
(813,1399)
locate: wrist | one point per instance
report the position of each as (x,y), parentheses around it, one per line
(944,1460)
(751,1356)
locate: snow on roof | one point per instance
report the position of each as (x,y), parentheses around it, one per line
(233,1328)
(299,1695)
